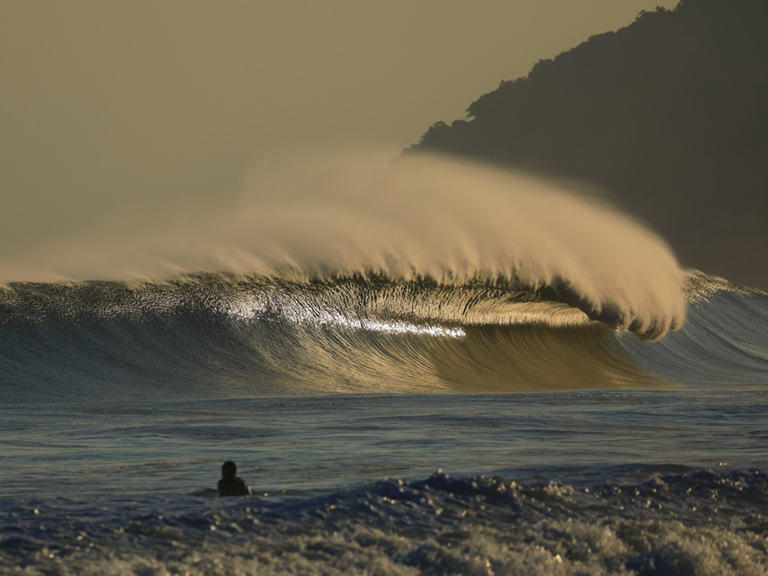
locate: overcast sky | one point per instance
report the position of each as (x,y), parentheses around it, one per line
(104,102)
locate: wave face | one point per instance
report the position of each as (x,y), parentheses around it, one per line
(221,335)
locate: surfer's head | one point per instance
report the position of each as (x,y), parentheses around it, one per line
(228,469)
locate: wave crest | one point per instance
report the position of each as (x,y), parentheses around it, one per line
(425,217)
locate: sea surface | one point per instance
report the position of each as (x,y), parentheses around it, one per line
(387,425)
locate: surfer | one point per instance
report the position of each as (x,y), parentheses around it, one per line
(231,485)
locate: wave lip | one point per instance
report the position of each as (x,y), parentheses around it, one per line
(347,215)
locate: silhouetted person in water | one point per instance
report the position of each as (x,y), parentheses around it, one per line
(231,485)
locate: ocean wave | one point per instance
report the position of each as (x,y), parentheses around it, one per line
(724,342)
(213,335)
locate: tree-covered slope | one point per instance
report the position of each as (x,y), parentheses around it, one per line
(669,114)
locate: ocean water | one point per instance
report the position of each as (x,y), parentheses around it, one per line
(421,368)
(386,425)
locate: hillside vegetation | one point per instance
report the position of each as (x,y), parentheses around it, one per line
(669,115)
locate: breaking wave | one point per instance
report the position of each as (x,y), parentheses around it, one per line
(351,274)
(419,218)
(220,335)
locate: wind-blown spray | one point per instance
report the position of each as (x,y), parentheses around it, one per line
(425,217)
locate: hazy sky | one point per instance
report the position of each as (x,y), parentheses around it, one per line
(107,102)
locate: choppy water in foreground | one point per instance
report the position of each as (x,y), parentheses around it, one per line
(632,482)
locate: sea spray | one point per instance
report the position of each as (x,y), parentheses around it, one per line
(357,214)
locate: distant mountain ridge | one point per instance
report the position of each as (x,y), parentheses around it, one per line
(669,114)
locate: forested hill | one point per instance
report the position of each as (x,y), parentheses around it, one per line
(669,114)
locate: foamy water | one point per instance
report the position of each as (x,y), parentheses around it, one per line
(552,483)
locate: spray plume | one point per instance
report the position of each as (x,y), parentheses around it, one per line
(358,214)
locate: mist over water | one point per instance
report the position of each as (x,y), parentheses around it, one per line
(333,215)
